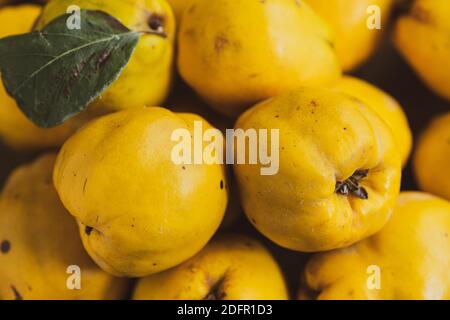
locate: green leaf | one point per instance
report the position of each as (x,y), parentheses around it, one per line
(55,73)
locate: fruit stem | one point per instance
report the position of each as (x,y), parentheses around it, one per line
(351,186)
(216,292)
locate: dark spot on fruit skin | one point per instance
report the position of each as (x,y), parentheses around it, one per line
(220,43)
(192,8)
(84,185)
(330,43)
(156,22)
(17,295)
(88,230)
(216,292)
(253,221)
(190,32)
(5,246)
(221,184)
(421,15)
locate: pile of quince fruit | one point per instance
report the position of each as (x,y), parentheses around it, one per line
(95,208)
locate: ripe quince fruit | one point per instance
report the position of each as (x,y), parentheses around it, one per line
(432,158)
(339,171)
(147,77)
(39,243)
(139,212)
(422,38)
(231,267)
(237,53)
(385,106)
(355,42)
(407,260)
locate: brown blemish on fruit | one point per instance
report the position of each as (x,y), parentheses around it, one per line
(190,33)
(17,295)
(84,185)
(216,292)
(313,103)
(220,43)
(156,22)
(5,246)
(221,184)
(421,15)
(192,8)
(88,230)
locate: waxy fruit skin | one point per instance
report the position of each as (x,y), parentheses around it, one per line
(411,253)
(238,53)
(385,106)
(40,240)
(355,42)
(231,267)
(432,157)
(326,138)
(422,38)
(139,212)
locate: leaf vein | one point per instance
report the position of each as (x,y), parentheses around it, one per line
(32,75)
